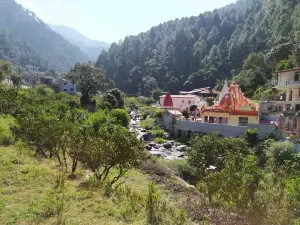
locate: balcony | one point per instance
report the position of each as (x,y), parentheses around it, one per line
(288,83)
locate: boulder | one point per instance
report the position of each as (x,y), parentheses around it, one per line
(147,137)
(149,148)
(181,148)
(152,144)
(167,145)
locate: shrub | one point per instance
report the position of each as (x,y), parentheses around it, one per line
(121,116)
(148,123)
(185,114)
(210,101)
(6,124)
(159,113)
(159,140)
(279,152)
(157,132)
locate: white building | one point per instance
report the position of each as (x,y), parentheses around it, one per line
(182,102)
(66,86)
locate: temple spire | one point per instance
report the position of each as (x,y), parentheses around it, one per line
(224,91)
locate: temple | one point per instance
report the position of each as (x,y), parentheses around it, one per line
(233,108)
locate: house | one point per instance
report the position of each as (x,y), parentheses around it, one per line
(287,107)
(66,86)
(233,109)
(179,102)
(203,93)
(48,80)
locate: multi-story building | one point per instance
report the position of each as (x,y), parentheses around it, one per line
(180,102)
(66,86)
(288,104)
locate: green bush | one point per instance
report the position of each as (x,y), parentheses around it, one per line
(159,140)
(157,132)
(159,113)
(6,124)
(121,116)
(148,123)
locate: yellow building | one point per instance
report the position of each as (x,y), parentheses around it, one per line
(234,109)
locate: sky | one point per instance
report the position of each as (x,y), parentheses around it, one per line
(113,20)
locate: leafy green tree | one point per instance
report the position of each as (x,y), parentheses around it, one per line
(114,148)
(156,93)
(5,69)
(212,150)
(113,99)
(89,79)
(121,116)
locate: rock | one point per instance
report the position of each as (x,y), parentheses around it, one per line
(181,148)
(149,148)
(156,153)
(167,145)
(171,142)
(152,144)
(143,130)
(156,147)
(147,137)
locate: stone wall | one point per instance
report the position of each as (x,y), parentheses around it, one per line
(182,126)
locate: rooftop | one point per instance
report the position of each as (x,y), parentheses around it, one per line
(289,70)
(180,96)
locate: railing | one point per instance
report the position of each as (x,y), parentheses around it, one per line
(288,82)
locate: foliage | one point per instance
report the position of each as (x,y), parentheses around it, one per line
(89,79)
(156,93)
(185,113)
(148,123)
(237,183)
(158,113)
(5,69)
(211,150)
(157,132)
(159,140)
(212,46)
(7,122)
(210,101)
(132,103)
(251,136)
(121,115)
(112,148)
(285,64)
(113,99)
(27,41)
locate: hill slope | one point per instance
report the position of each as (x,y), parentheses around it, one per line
(90,47)
(197,51)
(28,41)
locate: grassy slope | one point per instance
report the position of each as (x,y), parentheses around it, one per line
(26,183)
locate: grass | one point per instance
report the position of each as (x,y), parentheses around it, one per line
(29,195)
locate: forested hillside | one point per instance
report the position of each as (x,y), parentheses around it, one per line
(198,51)
(26,40)
(91,48)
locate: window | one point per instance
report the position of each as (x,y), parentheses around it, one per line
(297,76)
(206,119)
(65,90)
(72,89)
(220,120)
(297,107)
(189,101)
(299,92)
(243,121)
(65,83)
(182,101)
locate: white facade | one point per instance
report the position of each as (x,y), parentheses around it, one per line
(183,102)
(66,87)
(290,80)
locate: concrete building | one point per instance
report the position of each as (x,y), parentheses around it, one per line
(48,80)
(180,102)
(66,86)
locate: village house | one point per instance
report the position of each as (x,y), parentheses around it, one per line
(287,107)
(66,86)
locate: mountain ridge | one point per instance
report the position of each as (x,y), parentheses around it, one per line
(90,47)
(27,41)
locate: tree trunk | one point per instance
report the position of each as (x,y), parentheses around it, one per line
(74,165)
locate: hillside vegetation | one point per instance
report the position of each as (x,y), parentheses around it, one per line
(27,41)
(198,51)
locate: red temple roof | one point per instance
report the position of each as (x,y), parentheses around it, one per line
(168,102)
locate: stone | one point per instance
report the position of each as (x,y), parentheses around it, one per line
(147,137)
(149,148)
(167,145)
(152,144)
(181,148)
